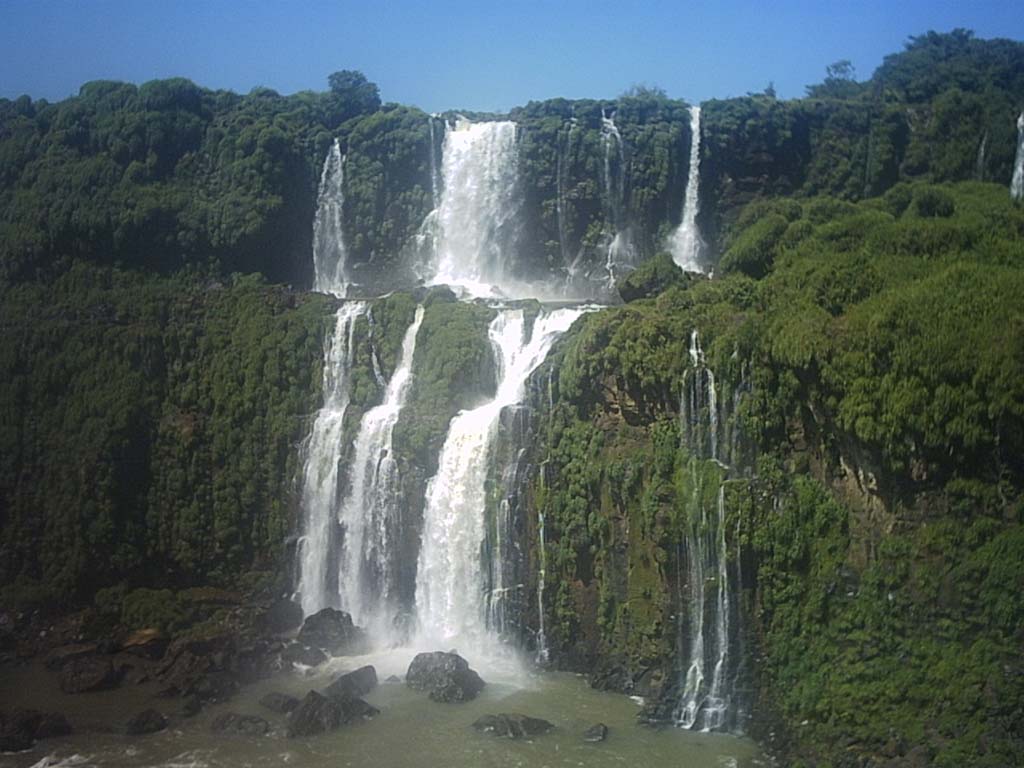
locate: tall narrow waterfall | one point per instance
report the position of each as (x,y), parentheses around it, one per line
(449,582)
(478,207)
(329,256)
(707,666)
(685,243)
(370,514)
(1017,184)
(318,546)
(618,248)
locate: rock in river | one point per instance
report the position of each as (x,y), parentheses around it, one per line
(513,725)
(446,676)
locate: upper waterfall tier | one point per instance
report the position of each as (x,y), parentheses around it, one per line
(685,243)
(477,215)
(329,254)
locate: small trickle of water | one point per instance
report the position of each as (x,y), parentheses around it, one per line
(1017,184)
(686,244)
(618,247)
(329,254)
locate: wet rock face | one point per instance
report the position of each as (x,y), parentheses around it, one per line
(446,676)
(147,721)
(87,673)
(21,728)
(512,725)
(331,631)
(353,685)
(281,616)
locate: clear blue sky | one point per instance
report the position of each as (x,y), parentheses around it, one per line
(474,55)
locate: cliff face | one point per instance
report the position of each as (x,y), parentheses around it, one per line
(861,466)
(821,446)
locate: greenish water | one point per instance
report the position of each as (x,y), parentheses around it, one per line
(411,731)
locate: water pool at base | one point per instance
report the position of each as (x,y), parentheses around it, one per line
(410,732)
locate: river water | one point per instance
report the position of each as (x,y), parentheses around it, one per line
(410,732)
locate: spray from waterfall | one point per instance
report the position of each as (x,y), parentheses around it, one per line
(685,243)
(1017,184)
(329,254)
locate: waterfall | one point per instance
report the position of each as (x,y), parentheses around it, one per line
(370,515)
(1017,184)
(318,545)
(705,664)
(699,405)
(435,171)
(704,704)
(979,161)
(329,256)
(685,243)
(618,249)
(478,207)
(543,655)
(449,594)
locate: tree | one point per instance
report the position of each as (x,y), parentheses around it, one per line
(351,94)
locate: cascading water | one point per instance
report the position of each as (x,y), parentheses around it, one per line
(686,244)
(435,171)
(1017,183)
(370,514)
(618,248)
(329,255)
(318,545)
(449,595)
(473,221)
(704,638)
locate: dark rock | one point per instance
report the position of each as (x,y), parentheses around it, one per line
(244,725)
(315,714)
(596,732)
(282,616)
(147,721)
(297,653)
(21,728)
(446,676)
(193,706)
(279,702)
(352,685)
(87,673)
(331,631)
(318,713)
(513,725)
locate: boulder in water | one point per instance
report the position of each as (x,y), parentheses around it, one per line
(331,631)
(318,713)
(297,653)
(243,725)
(147,721)
(513,725)
(352,685)
(279,702)
(87,673)
(596,732)
(446,676)
(21,728)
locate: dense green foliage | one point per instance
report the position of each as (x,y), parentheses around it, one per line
(883,345)
(149,427)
